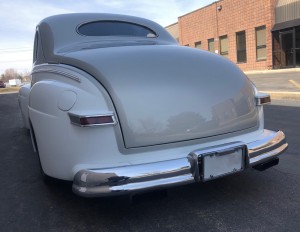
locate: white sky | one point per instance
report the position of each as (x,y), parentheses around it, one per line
(19,17)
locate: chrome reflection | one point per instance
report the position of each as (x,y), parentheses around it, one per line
(272,145)
(54,71)
(113,181)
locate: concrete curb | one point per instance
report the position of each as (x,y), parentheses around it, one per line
(291,70)
(283,95)
(9,92)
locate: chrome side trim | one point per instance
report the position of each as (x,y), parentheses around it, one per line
(270,146)
(164,174)
(75,119)
(65,74)
(262,99)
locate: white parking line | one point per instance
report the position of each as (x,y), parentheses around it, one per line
(295,83)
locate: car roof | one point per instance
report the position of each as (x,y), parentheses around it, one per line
(58,33)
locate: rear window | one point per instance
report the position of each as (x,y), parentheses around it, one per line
(115,28)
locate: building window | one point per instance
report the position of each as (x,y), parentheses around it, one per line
(260,33)
(187,45)
(241,54)
(224,46)
(211,45)
(198,45)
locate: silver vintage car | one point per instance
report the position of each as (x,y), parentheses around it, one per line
(117,106)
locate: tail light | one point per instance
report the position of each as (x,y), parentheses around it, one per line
(262,98)
(92,120)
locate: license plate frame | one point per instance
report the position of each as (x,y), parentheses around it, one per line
(222,162)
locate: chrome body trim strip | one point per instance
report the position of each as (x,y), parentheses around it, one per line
(142,177)
(65,74)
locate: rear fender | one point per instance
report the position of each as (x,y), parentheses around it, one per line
(23,99)
(52,97)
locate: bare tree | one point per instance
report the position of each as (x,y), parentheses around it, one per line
(10,74)
(26,77)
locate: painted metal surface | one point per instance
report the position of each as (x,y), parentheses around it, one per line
(23,99)
(168,94)
(58,35)
(287,10)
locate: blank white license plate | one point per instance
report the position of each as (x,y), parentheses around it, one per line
(222,163)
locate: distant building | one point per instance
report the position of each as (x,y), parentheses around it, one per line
(254,34)
(173,30)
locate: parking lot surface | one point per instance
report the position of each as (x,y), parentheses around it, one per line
(249,201)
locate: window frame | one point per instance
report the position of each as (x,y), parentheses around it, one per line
(226,53)
(257,47)
(208,43)
(241,50)
(198,43)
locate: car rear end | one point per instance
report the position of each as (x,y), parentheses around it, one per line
(122,114)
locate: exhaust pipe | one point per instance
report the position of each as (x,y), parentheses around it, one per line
(266,165)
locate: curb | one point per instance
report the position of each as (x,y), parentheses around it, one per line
(283,95)
(289,70)
(8,92)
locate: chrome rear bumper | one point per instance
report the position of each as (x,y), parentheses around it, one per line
(143,177)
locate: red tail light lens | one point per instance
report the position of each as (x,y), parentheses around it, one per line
(96,120)
(92,120)
(262,99)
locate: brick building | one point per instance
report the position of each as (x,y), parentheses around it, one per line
(254,34)
(173,30)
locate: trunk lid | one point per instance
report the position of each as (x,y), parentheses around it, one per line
(166,94)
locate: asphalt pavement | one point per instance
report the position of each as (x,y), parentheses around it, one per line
(280,84)
(249,201)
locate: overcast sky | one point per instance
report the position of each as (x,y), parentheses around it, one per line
(19,17)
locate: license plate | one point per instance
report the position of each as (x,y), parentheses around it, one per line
(223,162)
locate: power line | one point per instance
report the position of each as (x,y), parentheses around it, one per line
(13,61)
(15,51)
(18,48)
